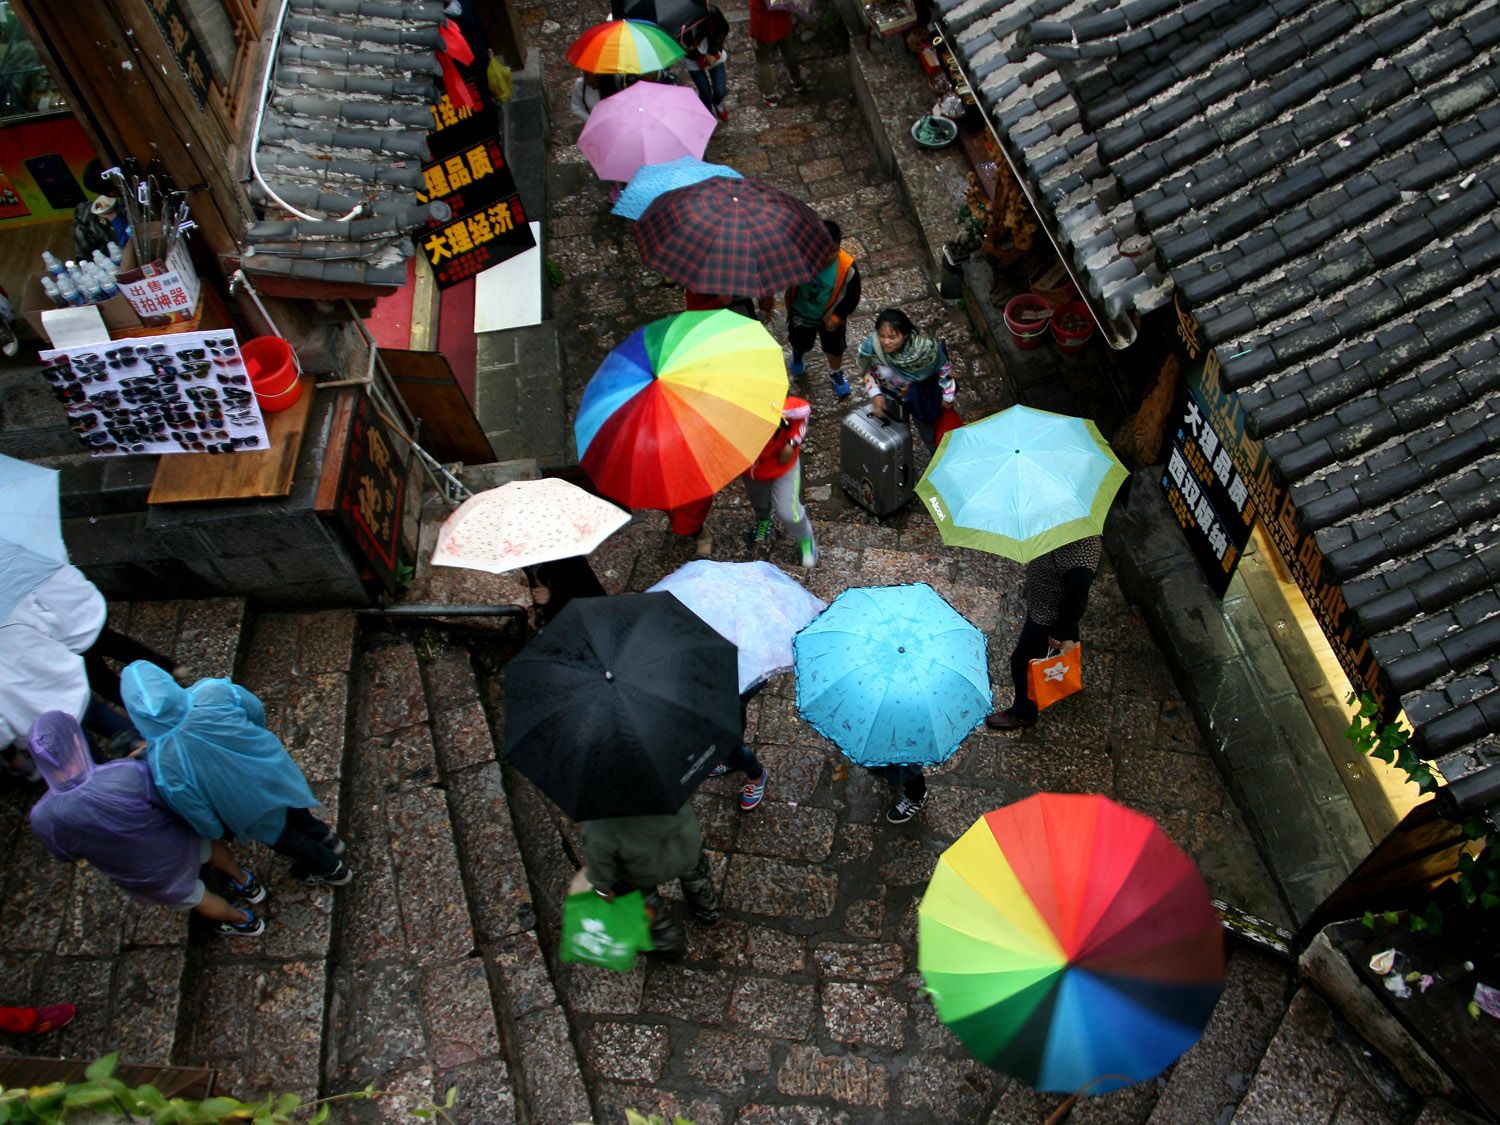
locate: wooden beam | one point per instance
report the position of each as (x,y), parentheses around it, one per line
(502,27)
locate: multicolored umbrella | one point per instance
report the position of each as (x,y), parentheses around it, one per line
(892,675)
(624,47)
(737,237)
(1068,943)
(647,123)
(523,523)
(680,408)
(655,179)
(1021,483)
(754,604)
(669,15)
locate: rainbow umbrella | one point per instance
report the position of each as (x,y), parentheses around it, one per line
(1068,943)
(680,408)
(624,47)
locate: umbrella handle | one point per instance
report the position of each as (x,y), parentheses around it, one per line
(1060,1114)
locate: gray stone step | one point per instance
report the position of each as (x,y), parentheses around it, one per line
(255,1008)
(66,932)
(1316,1069)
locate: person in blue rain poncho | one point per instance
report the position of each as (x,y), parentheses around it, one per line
(222,771)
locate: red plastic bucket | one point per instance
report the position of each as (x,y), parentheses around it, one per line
(270,404)
(273,372)
(1027,315)
(269,363)
(1072,327)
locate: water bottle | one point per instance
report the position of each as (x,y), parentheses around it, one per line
(69,291)
(53,266)
(107,284)
(114,251)
(49,287)
(92,294)
(101,260)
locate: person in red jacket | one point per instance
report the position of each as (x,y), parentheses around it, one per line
(775,481)
(771,32)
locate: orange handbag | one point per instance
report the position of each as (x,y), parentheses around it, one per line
(1055,676)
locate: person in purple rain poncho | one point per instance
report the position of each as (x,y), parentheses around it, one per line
(219,768)
(111,816)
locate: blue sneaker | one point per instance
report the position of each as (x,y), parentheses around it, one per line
(252,890)
(250,927)
(796,369)
(840,384)
(753,791)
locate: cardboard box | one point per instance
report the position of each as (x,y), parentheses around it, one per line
(162,292)
(117,311)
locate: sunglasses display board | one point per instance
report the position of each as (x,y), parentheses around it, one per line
(183,393)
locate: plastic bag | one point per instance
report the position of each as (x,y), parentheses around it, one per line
(1054,677)
(497,75)
(605,932)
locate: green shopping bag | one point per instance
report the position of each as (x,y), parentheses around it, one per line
(606,932)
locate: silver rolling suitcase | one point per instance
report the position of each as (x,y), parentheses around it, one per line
(875,462)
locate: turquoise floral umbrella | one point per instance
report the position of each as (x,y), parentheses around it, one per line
(1021,483)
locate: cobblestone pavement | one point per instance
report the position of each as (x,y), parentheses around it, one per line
(804,1004)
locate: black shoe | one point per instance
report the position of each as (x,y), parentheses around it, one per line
(340,875)
(1008,720)
(905,808)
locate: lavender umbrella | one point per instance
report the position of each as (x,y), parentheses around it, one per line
(109,816)
(647,123)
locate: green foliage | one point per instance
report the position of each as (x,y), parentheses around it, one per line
(634,1118)
(1478,867)
(101,1094)
(554,272)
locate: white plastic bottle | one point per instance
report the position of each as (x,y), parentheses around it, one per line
(49,287)
(53,266)
(69,291)
(114,252)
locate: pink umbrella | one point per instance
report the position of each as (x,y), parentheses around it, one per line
(646,123)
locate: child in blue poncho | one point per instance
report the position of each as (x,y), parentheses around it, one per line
(222,771)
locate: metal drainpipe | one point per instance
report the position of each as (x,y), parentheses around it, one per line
(1107,326)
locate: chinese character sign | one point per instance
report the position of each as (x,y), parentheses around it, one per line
(172,19)
(1207,494)
(371,492)
(183,393)
(468,172)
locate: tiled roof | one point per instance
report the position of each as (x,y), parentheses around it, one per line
(1320,180)
(345,124)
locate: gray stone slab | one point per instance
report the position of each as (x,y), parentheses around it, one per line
(434,908)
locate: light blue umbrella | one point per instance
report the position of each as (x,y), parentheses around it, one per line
(754,605)
(892,675)
(657,179)
(31,543)
(1021,483)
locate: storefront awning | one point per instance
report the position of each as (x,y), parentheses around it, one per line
(1320,181)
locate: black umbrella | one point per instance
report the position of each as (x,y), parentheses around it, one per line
(622,706)
(669,15)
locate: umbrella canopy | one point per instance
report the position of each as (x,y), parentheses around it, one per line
(738,237)
(624,47)
(680,408)
(648,123)
(622,706)
(524,523)
(670,15)
(31,543)
(1068,943)
(753,604)
(655,179)
(1021,483)
(892,675)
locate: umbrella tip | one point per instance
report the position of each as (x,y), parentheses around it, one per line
(609,677)
(900,648)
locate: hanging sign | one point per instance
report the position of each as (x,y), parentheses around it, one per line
(172,18)
(1207,494)
(371,492)
(468,172)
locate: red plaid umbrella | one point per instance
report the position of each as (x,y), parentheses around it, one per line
(734,237)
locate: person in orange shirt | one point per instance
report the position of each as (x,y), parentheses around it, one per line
(775,482)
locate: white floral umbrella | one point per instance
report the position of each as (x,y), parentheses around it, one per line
(753,604)
(526,522)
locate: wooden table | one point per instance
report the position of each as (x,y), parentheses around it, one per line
(183,478)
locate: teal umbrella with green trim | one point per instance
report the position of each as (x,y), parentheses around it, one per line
(1021,483)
